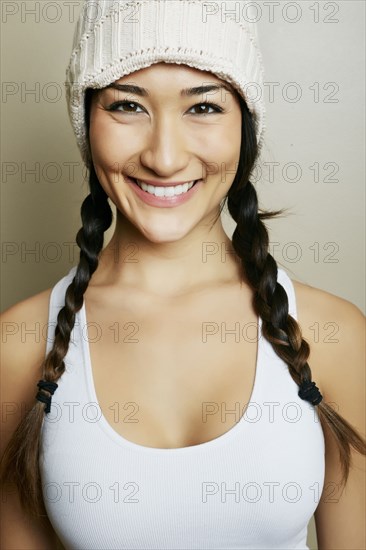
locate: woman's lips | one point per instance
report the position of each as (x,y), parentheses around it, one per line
(164,202)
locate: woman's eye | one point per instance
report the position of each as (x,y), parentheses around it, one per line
(213,106)
(115,106)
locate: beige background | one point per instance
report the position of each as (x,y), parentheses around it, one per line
(322,243)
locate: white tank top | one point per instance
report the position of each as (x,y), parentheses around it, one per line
(254,487)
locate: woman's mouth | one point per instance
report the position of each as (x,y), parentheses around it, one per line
(164,197)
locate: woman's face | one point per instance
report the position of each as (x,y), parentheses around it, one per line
(166,137)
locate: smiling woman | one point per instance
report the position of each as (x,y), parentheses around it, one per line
(229,443)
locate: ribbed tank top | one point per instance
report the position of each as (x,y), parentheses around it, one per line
(256,486)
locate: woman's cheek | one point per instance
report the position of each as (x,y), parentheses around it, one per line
(113,145)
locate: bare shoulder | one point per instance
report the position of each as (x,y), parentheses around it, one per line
(38,303)
(24,326)
(23,348)
(313,301)
(335,331)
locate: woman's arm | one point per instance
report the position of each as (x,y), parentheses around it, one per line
(20,533)
(335,330)
(22,352)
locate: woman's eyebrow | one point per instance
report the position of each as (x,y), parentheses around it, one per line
(143,92)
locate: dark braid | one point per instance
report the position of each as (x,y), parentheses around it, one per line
(96,218)
(250,241)
(270,302)
(19,463)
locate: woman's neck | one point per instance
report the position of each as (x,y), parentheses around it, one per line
(205,257)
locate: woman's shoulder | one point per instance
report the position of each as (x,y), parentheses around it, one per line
(24,332)
(23,348)
(33,309)
(335,331)
(317,305)
(24,326)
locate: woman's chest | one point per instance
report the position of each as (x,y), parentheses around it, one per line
(174,376)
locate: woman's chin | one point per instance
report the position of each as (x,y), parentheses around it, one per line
(163,238)
(162,235)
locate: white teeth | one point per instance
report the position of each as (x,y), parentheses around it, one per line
(165,191)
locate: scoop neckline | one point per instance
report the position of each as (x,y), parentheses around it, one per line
(106,427)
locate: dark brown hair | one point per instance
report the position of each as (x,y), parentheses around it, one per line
(250,241)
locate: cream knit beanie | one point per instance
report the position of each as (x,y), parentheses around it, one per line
(114,38)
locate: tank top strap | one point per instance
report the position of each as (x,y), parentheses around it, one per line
(284,280)
(56,302)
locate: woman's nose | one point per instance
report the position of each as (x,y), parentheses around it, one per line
(166,150)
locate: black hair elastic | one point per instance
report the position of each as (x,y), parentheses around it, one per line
(310,392)
(50,387)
